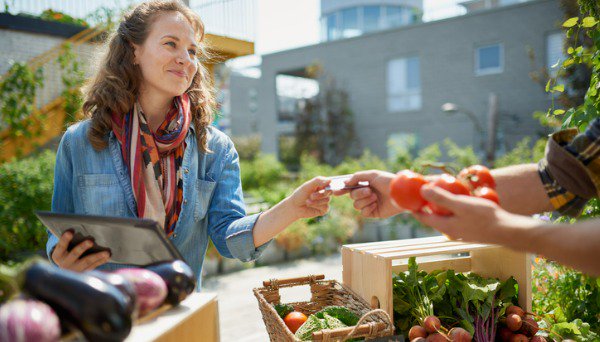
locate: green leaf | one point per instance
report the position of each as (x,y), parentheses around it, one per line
(558,112)
(570,22)
(570,50)
(588,22)
(548,85)
(568,62)
(560,88)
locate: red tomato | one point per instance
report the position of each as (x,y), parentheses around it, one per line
(294,320)
(477,176)
(405,190)
(450,184)
(487,193)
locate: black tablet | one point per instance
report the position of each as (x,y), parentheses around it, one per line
(129,240)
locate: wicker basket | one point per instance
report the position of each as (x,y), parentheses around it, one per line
(372,324)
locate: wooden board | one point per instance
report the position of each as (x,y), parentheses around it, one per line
(195,319)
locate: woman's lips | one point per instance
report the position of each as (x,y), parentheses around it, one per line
(178,73)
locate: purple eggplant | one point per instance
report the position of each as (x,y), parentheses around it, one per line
(124,285)
(178,276)
(150,289)
(28,320)
(95,307)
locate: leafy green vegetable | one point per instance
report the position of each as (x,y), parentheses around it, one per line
(341,313)
(473,302)
(283,309)
(411,291)
(331,317)
(332,322)
(312,324)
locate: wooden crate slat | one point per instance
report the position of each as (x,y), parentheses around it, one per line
(460,264)
(434,251)
(402,242)
(391,249)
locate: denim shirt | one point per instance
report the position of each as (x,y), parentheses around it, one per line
(93,182)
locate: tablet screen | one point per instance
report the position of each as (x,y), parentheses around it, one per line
(130,240)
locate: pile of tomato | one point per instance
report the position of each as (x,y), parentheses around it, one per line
(475,180)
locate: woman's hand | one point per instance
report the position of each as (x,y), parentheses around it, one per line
(373,201)
(71,260)
(310,199)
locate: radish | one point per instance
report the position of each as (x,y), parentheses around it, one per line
(505,334)
(513,309)
(28,320)
(419,339)
(514,322)
(416,331)
(436,337)
(529,327)
(519,338)
(432,324)
(150,288)
(538,339)
(459,335)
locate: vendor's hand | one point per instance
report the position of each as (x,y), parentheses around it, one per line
(310,199)
(71,260)
(373,201)
(473,219)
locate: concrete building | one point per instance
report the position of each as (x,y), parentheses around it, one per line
(399,78)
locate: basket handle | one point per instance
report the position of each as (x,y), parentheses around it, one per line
(286,281)
(347,333)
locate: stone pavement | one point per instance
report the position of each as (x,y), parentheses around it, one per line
(239,316)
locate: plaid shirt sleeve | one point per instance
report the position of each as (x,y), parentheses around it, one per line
(570,170)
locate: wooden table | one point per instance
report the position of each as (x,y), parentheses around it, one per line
(194,319)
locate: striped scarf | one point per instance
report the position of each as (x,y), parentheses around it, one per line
(154,160)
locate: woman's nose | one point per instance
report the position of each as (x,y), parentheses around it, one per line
(184,58)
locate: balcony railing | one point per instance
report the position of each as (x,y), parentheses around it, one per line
(229,18)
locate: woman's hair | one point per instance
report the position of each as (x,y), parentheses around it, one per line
(116,85)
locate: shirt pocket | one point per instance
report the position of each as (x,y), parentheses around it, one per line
(204,189)
(102,194)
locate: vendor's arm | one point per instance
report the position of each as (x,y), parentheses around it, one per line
(479,220)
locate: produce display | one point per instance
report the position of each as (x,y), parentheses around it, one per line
(46,302)
(475,181)
(331,317)
(449,306)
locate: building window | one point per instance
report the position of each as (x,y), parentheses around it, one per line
(371,18)
(554,52)
(489,59)
(350,23)
(332,30)
(396,16)
(404,84)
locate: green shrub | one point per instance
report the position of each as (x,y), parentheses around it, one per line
(562,295)
(25,186)
(262,171)
(248,147)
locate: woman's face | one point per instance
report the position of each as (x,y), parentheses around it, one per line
(168,56)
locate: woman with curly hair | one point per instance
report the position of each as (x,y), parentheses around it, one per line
(148,149)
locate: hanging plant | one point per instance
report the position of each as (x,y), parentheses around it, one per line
(17,99)
(72,78)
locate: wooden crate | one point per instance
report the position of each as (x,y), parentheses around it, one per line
(368,267)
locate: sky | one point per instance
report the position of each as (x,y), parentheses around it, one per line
(287,24)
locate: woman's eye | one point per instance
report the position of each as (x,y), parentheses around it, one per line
(172,44)
(192,52)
